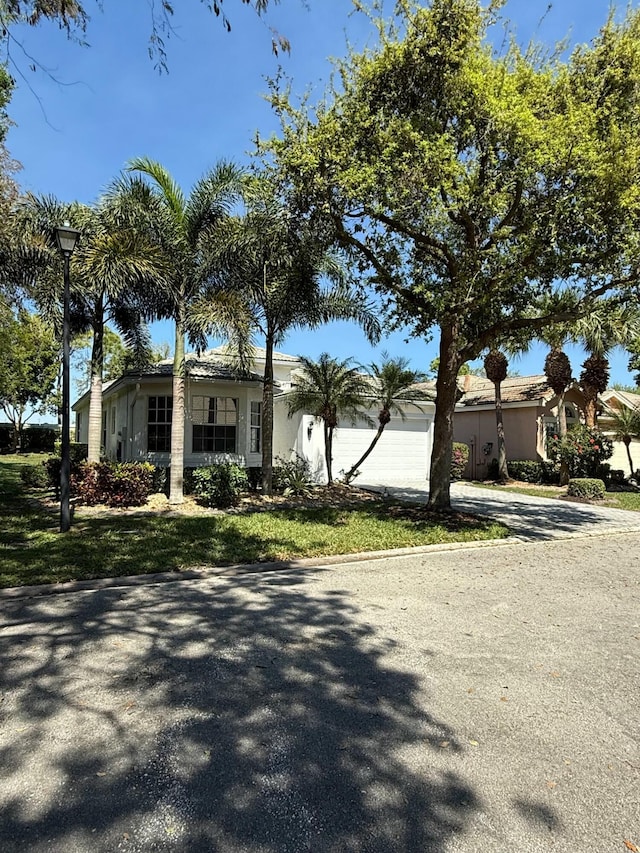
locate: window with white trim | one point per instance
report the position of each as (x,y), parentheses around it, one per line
(159,424)
(215,424)
(255,439)
(113,420)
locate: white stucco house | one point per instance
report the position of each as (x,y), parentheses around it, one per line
(223,421)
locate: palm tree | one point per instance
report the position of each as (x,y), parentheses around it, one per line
(610,325)
(557,368)
(496,367)
(329,389)
(111,265)
(277,265)
(182,225)
(391,383)
(626,425)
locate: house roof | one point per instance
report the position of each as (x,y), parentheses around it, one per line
(516,389)
(627,398)
(207,365)
(210,365)
(260,354)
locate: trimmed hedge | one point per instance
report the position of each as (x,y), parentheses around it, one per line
(116,484)
(37,438)
(586,487)
(78,450)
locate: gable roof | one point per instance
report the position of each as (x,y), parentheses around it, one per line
(627,398)
(516,389)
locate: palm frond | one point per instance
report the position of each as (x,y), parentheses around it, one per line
(169,188)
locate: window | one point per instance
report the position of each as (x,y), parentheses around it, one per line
(256,427)
(214,424)
(113,420)
(78,425)
(159,424)
(104,430)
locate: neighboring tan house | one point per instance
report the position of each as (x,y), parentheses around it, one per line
(223,421)
(530,410)
(618,400)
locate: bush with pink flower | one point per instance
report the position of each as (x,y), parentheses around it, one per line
(584,449)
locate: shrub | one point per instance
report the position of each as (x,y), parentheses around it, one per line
(131,483)
(116,484)
(35,475)
(255,477)
(459,459)
(526,470)
(219,485)
(78,451)
(586,487)
(549,472)
(52,469)
(6,436)
(38,438)
(292,476)
(160,479)
(583,449)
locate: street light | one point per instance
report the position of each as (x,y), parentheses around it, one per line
(66,238)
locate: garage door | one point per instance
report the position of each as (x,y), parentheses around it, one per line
(403,452)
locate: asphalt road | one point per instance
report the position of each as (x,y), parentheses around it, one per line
(475,701)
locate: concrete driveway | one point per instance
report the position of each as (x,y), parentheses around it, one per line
(528,517)
(474,701)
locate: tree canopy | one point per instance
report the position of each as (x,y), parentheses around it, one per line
(29,363)
(467,182)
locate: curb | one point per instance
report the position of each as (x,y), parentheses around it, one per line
(14,593)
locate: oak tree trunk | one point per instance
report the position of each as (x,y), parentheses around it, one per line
(446,398)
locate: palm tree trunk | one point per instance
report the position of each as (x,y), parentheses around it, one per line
(446,399)
(628,446)
(352,471)
(328,451)
(267,418)
(176,493)
(95,401)
(590,413)
(503,471)
(562,429)
(562,416)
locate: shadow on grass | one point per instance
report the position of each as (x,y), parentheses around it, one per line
(255,714)
(32,551)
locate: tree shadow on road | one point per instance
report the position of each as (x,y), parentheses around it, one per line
(254,713)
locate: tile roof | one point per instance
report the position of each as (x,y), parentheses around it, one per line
(207,365)
(516,389)
(260,354)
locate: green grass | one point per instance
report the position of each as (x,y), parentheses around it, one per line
(32,551)
(615,500)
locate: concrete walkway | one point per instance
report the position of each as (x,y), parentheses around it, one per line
(528,517)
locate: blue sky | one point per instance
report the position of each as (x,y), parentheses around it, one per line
(79,121)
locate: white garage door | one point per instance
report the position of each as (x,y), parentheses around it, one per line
(403,451)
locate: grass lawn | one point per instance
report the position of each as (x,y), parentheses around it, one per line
(616,500)
(32,551)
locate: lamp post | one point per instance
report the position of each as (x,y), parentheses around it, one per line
(66,238)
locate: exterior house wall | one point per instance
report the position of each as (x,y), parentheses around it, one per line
(127,414)
(405,448)
(477,428)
